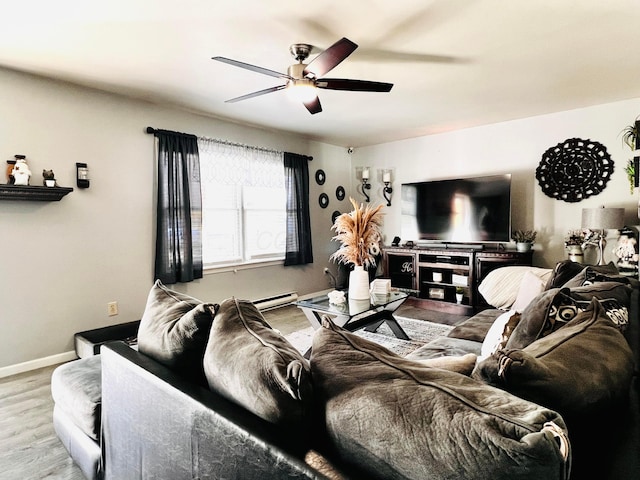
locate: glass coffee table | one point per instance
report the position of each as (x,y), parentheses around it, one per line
(355,314)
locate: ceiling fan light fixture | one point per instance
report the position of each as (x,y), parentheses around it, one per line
(301,90)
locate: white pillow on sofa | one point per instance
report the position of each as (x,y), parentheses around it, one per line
(493,337)
(501,286)
(530,287)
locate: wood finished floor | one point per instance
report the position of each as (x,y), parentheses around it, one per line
(29,447)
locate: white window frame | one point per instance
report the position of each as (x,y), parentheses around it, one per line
(239,166)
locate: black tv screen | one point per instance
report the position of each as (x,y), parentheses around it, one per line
(463,210)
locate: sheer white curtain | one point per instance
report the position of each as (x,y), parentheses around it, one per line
(243,203)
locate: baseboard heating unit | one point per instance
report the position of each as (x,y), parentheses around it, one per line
(276,301)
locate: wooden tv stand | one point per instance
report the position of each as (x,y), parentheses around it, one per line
(432,274)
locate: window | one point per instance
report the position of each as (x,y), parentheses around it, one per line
(243,204)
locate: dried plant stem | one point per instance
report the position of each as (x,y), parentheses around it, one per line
(359,233)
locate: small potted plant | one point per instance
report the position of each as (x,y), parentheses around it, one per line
(574,242)
(630,169)
(459,294)
(630,134)
(524,239)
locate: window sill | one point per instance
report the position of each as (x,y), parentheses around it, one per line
(211,270)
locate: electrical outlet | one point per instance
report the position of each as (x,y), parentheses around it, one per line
(112,308)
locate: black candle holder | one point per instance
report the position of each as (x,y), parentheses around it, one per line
(387,190)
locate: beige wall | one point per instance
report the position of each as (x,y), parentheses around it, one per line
(64,261)
(516,147)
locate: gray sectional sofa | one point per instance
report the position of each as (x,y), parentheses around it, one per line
(213,392)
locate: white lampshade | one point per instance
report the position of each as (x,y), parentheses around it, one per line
(602,218)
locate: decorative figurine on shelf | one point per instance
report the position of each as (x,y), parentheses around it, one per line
(627,252)
(21,172)
(49,179)
(10,165)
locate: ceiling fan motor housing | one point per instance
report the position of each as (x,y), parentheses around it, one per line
(296,70)
(300,51)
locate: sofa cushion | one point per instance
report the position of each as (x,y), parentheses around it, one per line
(476,327)
(255,366)
(443,424)
(603,290)
(582,368)
(592,274)
(76,389)
(445,347)
(562,273)
(174,330)
(500,287)
(548,312)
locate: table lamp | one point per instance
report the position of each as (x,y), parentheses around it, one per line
(602,219)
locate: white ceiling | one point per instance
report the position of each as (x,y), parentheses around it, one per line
(453,63)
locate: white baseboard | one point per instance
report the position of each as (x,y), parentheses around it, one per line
(37,363)
(315,294)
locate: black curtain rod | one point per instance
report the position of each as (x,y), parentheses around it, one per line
(152,130)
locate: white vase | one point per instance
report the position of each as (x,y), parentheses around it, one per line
(359,283)
(523,246)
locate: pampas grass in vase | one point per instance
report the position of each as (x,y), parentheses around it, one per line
(359,234)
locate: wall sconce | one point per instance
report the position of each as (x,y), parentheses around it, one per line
(601,219)
(364,174)
(82,175)
(387,190)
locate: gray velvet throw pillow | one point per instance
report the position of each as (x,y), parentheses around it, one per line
(395,418)
(174,330)
(583,368)
(255,366)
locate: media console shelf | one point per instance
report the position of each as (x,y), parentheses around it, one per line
(433,274)
(33,192)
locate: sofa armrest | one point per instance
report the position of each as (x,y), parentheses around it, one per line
(158,425)
(88,343)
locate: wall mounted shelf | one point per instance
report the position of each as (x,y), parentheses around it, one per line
(32,192)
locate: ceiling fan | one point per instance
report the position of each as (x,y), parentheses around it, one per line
(303,79)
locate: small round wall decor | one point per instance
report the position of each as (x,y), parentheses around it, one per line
(323,200)
(574,170)
(335,215)
(320,177)
(340,193)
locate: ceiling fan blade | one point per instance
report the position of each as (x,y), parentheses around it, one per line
(331,57)
(255,94)
(383,55)
(253,68)
(353,85)
(313,106)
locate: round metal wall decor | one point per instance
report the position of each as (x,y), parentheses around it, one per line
(323,200)
(320,177)
(335,215)
(574,170)
(340,193)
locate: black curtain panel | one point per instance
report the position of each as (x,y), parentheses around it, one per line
(179,209)
(298,249)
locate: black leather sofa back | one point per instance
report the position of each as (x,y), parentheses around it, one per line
(158,425)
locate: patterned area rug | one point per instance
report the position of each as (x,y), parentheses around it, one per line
(419,331)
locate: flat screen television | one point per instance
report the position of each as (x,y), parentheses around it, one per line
(462,210)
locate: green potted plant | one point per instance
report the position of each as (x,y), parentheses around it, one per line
(630,169)
(630,134)
(459,294)
(524,239)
